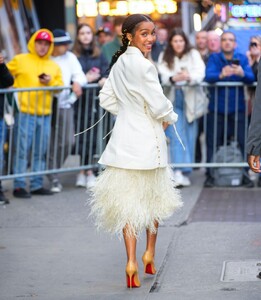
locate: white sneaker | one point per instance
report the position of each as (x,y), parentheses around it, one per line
(56,187)
(180,179)
(80,180)
(186,181)
(91,180)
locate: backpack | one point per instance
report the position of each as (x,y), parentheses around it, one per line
(228,176)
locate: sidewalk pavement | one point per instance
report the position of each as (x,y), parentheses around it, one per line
(49,250)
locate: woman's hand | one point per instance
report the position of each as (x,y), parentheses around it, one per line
(165,125)
(93,75)
(254,163)
(102,81)
(77,89)
(183,75)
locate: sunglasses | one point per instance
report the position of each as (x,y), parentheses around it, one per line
(253,44)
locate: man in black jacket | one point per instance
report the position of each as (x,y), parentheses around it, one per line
(6,80)
(254,133)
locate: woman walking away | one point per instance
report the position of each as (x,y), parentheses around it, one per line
(135,190)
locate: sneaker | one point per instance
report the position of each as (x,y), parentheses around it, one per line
(180,179)
(186,181)
(3,199)
(91,180)
(42,192)
(56,187)
(81,180)
(21,193)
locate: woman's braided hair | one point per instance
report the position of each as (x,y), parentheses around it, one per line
(129,26)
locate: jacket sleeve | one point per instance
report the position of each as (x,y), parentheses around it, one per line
(249,76)
(57,79)
(77,72)
(213,69)
(104,66)
(6,79)
(164,72)
(197,68)
(151,90)
(254,132)
(12,66)
(108,99)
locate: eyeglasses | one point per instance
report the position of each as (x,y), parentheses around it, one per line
(253,44)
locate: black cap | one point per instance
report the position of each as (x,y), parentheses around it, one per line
(103,29)
(61,37)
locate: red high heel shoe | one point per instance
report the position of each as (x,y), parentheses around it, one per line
(132,277)
(148,261)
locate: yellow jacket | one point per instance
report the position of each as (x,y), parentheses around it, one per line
(26,68)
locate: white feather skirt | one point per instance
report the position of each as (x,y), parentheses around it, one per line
(138,198)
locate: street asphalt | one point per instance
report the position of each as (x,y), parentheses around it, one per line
(50,250)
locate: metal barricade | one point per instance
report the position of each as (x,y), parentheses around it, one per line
(39,139)
(219,127)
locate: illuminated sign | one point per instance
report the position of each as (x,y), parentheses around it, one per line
(249,11)
(91,8)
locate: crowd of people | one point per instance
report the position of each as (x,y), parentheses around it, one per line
(54,60)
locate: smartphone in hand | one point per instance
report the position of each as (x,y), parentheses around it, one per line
(95,70)
(235,62)
(41,76)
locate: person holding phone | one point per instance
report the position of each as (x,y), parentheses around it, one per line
(254,53)
(95,66)
(181,68)
(227,66)
(32,121)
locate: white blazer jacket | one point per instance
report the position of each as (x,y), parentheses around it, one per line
(133,93)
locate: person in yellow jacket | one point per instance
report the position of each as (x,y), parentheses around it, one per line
(32,121)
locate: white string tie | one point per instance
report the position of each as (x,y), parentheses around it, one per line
(178,136)
(107,134)
(87,129)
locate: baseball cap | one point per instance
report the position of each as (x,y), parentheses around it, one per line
(61,37)
(103,29)
(43,35)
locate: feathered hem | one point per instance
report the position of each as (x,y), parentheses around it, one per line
(138,198)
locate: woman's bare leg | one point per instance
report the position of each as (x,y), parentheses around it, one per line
(151,240)
(148,256)
(132,265)
(130,244)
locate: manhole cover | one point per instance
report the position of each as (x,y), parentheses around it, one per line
(243,270)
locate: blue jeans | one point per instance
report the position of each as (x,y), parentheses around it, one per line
(31,137)
(187,132)
(2,141)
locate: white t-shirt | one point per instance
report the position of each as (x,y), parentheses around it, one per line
(71,72)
